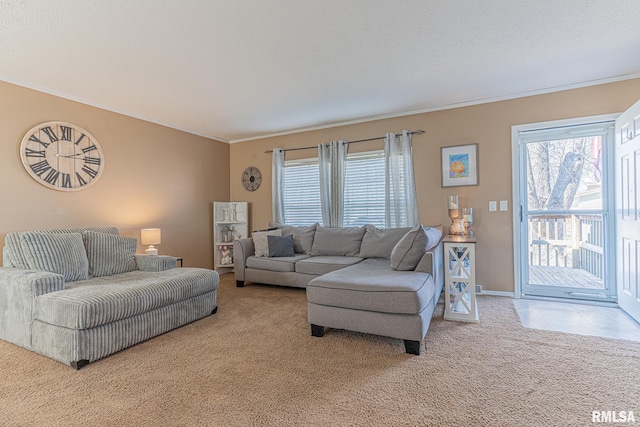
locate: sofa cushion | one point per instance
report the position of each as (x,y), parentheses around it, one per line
(280,246)
(102,300)
(6,257)
(324,264)
(282,264)
(57,253)
(302,236)
(109,254)
(17,258)
(260,242)
(379,242)
(408,252)
(373,286)
(333,241)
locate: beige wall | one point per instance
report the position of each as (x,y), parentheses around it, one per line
(160,177)
(154,176)
(489,125)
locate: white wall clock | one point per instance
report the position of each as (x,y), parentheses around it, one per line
(62,156)
(251,178)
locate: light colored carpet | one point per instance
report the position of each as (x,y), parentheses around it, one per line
(255,363)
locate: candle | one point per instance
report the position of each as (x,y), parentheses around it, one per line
(467,214)
(453,202)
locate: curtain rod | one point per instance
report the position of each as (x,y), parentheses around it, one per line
(416,132)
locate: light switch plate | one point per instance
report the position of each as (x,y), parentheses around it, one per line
(492,206)
(504,205)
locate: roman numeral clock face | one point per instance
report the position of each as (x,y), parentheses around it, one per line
(62,156)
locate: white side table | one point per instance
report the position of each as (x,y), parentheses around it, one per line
(460,278)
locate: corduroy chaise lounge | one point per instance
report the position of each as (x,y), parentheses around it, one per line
(78,295)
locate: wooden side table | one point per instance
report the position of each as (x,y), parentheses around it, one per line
(460,278)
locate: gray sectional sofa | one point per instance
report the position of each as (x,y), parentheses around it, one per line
(78,295)
(364,279)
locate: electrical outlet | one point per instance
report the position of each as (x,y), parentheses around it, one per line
(492,206)
(478,289)
(504,205)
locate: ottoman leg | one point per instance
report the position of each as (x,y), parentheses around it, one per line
(79,364)
(317,331)
(412,347)
(240,283)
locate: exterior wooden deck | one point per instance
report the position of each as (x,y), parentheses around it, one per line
(563,276)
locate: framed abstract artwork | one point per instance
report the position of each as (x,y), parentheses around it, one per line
(459,165)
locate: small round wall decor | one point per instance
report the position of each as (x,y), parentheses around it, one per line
(251,178)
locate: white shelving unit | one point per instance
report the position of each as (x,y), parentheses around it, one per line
(230,222)
(460,278)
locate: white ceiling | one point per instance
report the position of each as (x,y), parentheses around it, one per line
(239,69)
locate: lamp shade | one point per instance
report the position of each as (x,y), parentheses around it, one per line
(150,236)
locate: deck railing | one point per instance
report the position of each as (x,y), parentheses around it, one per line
(574,241)
(592,246)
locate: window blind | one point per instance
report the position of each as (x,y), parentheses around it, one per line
(302,192)
(364,192)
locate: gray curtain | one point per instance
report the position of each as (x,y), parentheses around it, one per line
(331,160)
(401,207)
(277,185)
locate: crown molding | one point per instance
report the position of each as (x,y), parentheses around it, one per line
(447,106)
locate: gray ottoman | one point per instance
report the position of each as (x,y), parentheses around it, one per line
(372,298)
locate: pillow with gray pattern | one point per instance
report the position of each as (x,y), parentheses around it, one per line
(261,243)
(57,253)
(109,254)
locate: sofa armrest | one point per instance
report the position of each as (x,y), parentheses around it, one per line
(242,249)
(432,263)
(18,291)
(155,262)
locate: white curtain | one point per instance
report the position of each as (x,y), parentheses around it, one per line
(401,207)
(331,160)
(277,185)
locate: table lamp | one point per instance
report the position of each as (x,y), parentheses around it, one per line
(150,236)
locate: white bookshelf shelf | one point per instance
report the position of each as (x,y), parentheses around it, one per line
(230,222)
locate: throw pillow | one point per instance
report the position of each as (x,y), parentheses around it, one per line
(280,246)
(17,257)
(109,254)
(434,235)
(337,241)
(406,254)
(378,243)
(261,243)
(409,250)
(58,253)
(302,235)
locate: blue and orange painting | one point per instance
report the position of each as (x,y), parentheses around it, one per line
(459,165)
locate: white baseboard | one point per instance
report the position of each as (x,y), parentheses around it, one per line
(498,293)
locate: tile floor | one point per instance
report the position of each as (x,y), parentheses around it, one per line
(575,318)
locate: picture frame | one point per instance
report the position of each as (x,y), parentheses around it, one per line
(459,165)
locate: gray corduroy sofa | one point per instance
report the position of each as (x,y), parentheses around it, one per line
(78,295)
(364,279)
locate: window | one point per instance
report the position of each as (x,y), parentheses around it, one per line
(364,189)
(302,192)
(364,194)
